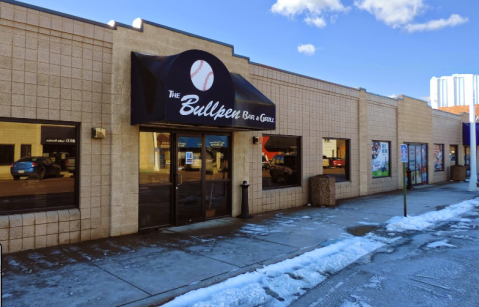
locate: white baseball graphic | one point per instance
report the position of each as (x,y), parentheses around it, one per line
(202,75)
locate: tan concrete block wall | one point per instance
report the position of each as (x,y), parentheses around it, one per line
(125,138)
(55,68)
(447,130)
(415,126)
(382,119)
(313,110)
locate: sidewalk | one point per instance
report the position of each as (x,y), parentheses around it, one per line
(148,269)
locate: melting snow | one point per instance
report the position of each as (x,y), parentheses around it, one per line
(279,284)
(440,243)
(427,220)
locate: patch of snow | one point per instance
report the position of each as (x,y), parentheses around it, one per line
(439,244)
(368,223)
(427,220)
(283,281)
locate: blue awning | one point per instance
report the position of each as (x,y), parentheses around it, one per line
(466,134)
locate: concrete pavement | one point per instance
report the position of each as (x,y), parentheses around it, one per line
(151,268)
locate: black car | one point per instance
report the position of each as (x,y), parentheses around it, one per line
(34,167)
(283,168)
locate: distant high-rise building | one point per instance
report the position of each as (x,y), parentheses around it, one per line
(455,90)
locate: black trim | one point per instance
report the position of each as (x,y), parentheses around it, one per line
(77,175)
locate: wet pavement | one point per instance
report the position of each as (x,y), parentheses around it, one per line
(151,268)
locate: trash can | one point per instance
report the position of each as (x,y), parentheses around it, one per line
(458,173)
(323,191)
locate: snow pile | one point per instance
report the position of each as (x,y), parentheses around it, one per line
(427,220)
(279,284)
(439,244)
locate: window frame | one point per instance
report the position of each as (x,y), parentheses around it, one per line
(389,159)
(347,167)
(443,166)
(299,140)
(25,146)
(6,163)
(76,194)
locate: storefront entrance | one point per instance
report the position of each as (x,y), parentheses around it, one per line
(418,163)
(183,177)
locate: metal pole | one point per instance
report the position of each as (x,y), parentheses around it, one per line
(472,120)
(404,187)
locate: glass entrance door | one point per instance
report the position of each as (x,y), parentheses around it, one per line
(189,180)
(418,163)
(183,178)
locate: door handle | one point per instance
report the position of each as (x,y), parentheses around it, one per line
(181,177)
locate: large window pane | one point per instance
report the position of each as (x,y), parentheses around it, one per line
(380,159)
(335,159)
(438,157)
(280,161)
(41,172)
(155,179)
(217,164)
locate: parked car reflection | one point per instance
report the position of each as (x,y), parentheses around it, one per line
(283,168)
(34,167)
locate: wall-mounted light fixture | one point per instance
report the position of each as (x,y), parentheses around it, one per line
(98,133)
(257,139)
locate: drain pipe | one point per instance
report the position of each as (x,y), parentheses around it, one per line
(244,202)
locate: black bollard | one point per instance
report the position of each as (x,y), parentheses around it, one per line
(244,202)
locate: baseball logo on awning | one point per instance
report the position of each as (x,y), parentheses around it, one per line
(202,75)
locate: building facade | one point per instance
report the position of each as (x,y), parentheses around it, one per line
(186,121)
(455,90)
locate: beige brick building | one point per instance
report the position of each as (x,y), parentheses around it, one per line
(62,71)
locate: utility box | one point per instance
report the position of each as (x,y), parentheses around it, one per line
(458,173)
(323,191)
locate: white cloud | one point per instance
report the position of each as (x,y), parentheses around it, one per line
(313,9)
(394,13)
(393,96)
(307,49)
(438,24)
(317,21)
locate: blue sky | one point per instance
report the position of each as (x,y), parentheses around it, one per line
(389,47)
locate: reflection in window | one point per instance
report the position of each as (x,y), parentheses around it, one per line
(280,161)
(335,159)
(155,181)
(438,157)
(40,174)
(217,164)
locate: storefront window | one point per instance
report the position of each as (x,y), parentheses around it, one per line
(438,157)
(335,159)
(380,159)
(453,155)
(38,167)
(281,161)
(467,160)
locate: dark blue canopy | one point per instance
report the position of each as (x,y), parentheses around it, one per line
(466,134)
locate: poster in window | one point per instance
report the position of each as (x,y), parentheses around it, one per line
(380,159)
(189,157)
(438,157)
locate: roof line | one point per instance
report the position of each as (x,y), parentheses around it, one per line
(195,36)
(48,11)
(304,76)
